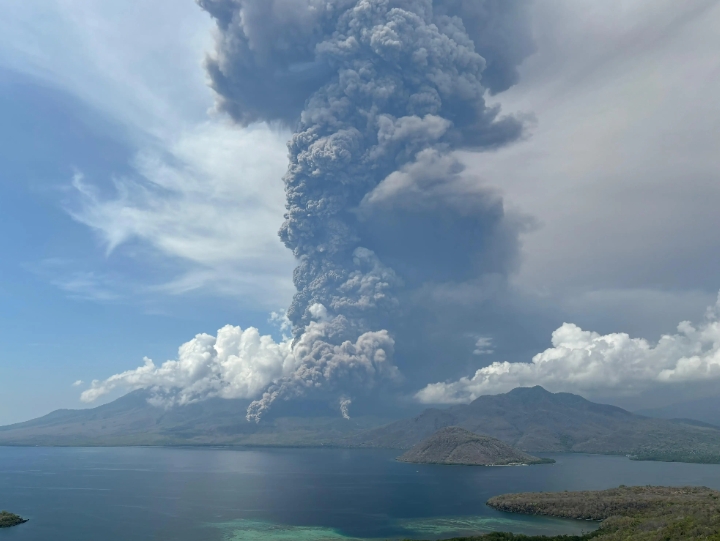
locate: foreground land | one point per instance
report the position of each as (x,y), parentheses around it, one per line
(637,513)
(8,519)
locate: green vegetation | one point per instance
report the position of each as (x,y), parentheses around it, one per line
(626,513)
(637,513)
(8,519)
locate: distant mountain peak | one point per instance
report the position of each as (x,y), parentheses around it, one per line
(537,390)
(533,419)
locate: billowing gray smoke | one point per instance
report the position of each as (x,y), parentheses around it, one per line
(380,93)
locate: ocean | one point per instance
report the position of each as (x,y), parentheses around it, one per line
(210,494)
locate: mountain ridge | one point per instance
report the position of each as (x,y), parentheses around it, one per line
(705,410)
(131,420)
(536,420)
(531,419)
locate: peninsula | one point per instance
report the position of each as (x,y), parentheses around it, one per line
(457,446)
(637,513)
(9,519)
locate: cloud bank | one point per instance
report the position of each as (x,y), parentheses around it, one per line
(239,363)
(235,363)
(594,364)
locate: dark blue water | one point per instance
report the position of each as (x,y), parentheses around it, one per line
(288,494)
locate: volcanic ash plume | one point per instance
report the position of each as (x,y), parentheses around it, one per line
(345,407)
(380,93)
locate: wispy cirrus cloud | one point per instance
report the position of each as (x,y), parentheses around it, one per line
(206,202)
(199,206)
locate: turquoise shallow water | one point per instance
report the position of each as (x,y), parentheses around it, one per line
(435,528)
(288,494)
(432,528)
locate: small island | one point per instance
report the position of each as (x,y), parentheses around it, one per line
(9,519)
(460,447)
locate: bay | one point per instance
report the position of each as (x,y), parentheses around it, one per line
(191,494)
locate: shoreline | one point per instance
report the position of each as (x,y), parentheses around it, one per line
(9,520)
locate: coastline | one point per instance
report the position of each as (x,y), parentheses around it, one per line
(9,520)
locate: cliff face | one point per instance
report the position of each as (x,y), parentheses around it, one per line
(454,445)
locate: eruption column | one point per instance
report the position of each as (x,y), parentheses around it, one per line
(381,92)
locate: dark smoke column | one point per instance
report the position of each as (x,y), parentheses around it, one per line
(380,93)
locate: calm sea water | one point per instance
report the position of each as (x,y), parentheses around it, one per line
(288,494)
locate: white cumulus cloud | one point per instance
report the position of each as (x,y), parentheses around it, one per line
(241,363)
(587,362)
(236,363)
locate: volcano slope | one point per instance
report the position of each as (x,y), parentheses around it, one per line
(535,420)
(133,420)
(531,419)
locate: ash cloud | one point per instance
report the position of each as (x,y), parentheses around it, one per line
(241,363)
(269,58)
(379,93)
(345,404)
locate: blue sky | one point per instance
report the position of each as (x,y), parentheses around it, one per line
(74,306)
(134,216)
